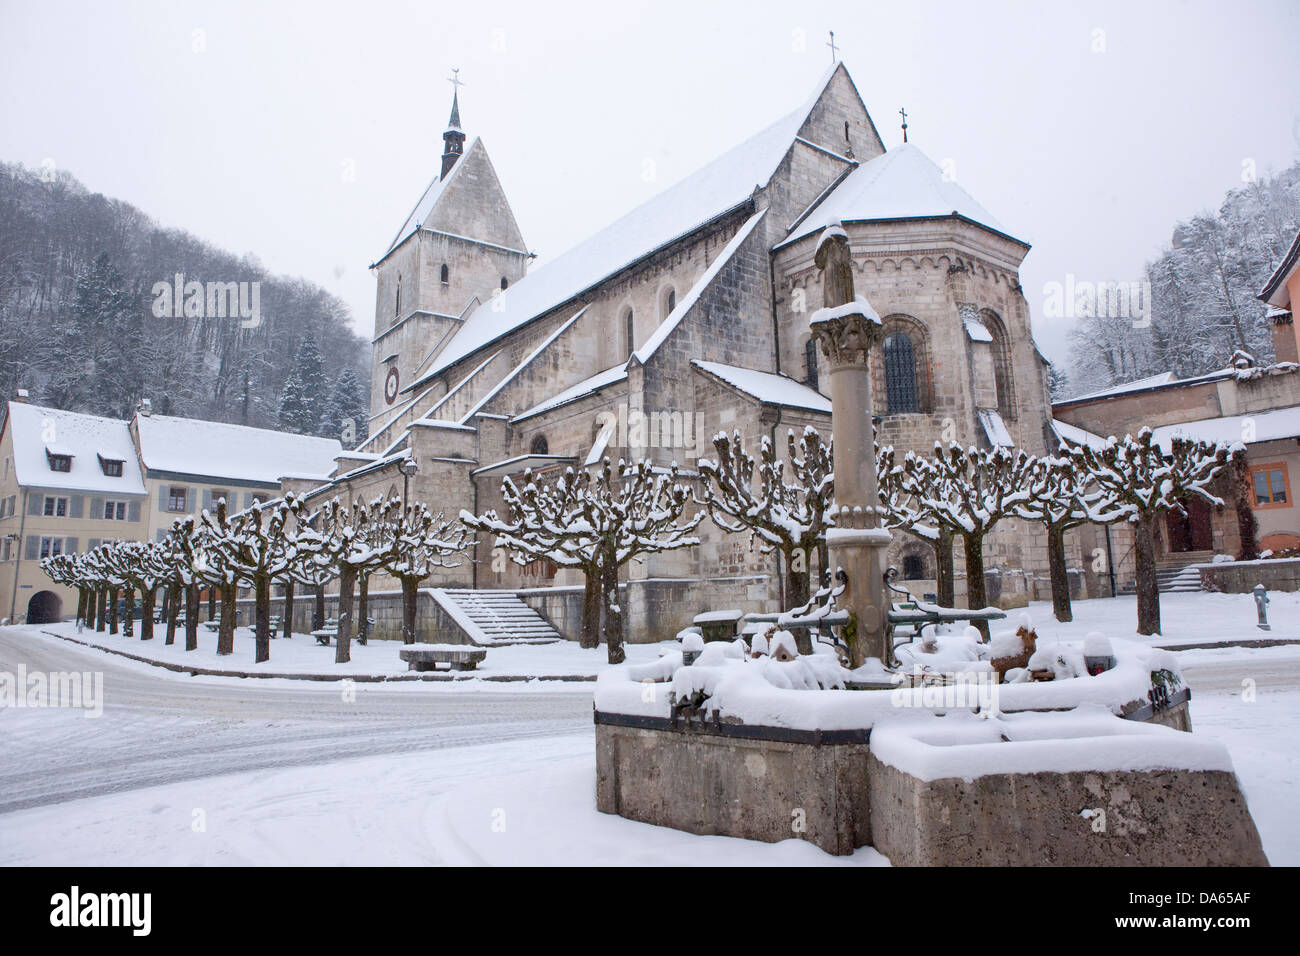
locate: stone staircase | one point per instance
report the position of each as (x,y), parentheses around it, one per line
(496,618)
(1175,573)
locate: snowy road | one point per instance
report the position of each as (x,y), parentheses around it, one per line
(160,728)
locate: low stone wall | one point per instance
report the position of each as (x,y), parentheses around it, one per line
(433,625)
(1152,818)
(708,782)
(1240,577)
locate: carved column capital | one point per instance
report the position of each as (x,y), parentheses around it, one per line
(846,334)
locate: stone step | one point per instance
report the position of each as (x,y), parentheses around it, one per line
(502,617)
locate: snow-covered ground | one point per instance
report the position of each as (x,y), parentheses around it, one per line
(301,654)
(215,770)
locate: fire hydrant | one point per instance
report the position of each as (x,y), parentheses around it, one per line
(1261,604)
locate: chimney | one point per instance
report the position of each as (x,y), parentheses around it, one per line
(22,395)
(146,407)
(1286,348)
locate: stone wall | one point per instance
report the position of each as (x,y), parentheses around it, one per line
(1240,577)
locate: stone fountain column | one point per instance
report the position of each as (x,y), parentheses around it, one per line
(847,328)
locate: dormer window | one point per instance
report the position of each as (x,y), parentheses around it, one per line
(112,467)
(59,461)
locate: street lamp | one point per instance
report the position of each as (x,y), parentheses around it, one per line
(408,468)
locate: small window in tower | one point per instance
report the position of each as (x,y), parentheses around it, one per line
(539,445)
(810,358)
(672,299)
(446,274)
(504,282)
(397,302)
(629,331)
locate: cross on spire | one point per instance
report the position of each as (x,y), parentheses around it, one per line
(903,113)
(455,79)
(834,49)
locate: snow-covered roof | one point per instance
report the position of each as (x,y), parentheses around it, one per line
(674,318)
(1163,380)
(226,452)
(903,183)
(428,199)
(977,331)
(512,466)
(587,386)
(722,185)
(768,387)
(995,428)
(1275,290)
(85,437)
(1278,424)
(1075,435)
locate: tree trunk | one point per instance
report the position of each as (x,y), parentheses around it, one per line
(410,594)
(128,608)
(262,618)
(613,610)
(796,582)
(343,645)
(286,627)
(363,608)
(192,605)
(318,613)
(148,599)
(92,603)
(976,595)
(173,599)
(101,609)
(1243,504)
(212,602)
(81,605)
(946,583)
(1060,578)
(1148,587)
(591,590)
(226,632)
(112,610)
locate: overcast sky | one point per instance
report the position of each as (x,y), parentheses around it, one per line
(304,132)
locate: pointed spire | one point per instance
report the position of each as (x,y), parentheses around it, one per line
(454,138)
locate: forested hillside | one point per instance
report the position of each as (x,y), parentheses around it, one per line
(81,329)
(1203,293)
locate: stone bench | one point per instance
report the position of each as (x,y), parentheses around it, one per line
(427,657)
(324,635)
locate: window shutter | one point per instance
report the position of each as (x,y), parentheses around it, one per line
(162,498)
(207,499)
(133,511)
(33,547)
(92,544)
(69,545)
(75,505)
(97,508)
(248,499)
(35,503)
(191,500)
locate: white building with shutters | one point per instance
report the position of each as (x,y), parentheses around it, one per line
(69,481)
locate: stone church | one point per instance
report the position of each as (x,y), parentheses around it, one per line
(687,316)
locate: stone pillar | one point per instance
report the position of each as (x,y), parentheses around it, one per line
(857,542)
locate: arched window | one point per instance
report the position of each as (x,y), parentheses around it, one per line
(629,331)
(504,282)
(810,360)
(539,446)
(1001,350)
(667,301)
(397,302)
(913,567)
(900,374)
(445,274)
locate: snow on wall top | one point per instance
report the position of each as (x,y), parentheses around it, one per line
(707,193)
(232,452)
(586,387)
(1151,381)
(85,437)
(768,387)
(995,428)
(1255,427)
(903,183)
(428,199)
(1076,435)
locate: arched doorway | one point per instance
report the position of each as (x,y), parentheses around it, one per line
(45,607)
